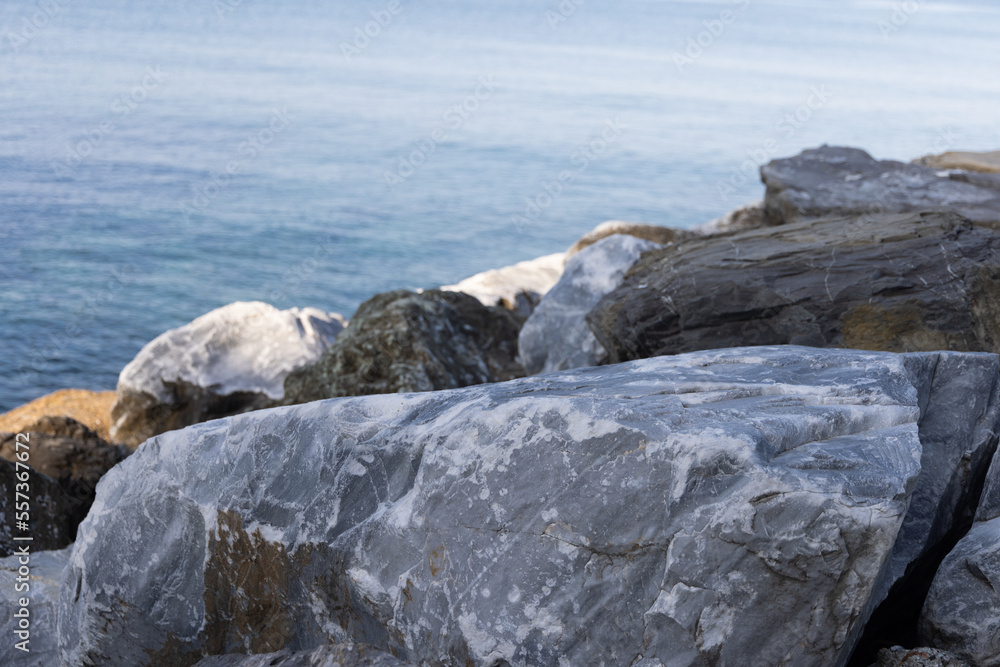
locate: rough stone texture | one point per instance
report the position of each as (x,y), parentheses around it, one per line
(986,162)
(897,656)
(556,336)
(962,610)
(230,360)
(405,341)
(73,455)
(518,287)
(338,655)
(735,507)
(90,408)
(905,282)
(747,216)
(836,181)
(41,587)
(51,510)
(653,233)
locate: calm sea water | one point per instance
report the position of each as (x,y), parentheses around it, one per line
(161,159)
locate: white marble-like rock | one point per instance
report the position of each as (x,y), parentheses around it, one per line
(747,506)
(230,360)
(556,336)
(41,590)
(962,611)
(517,287)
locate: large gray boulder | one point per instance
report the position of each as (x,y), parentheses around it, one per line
(556,336)
(230,360)
(962,610)
(734,507)
(405,341)
(34,578)
(838,181)
(896,282)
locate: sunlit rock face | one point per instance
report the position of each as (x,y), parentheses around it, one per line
(734,507)
(230,360)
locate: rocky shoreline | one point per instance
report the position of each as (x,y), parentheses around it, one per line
(770,439)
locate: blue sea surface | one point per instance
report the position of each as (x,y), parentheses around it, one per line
(161,159)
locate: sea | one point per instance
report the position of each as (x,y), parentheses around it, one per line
(161,159)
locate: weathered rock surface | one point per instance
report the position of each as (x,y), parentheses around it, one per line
(654,233)
(836,181)
(231,360)
(962,610)
(90,408)
(556,336)
(339,655)
(987,162)
(51,511)
(907,282)
(41,588)
(747,216)
(71,454)
(405,341)
(897,656)
(518,287)
(733,507)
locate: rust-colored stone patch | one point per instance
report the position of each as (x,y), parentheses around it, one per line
(90,408)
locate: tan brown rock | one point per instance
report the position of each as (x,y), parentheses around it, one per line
(987,161)
(654,233)
(90,408)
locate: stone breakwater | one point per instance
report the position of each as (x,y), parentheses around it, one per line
(770,439)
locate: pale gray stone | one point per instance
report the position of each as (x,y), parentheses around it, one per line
(556,336)
(733,507)
(41,588)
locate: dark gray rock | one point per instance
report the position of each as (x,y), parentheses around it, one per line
(338,655)
(230,360)
(734,507)
(556,336)
(837,181)
(905,282)
(962,610)
(51,523)
(71,454)
(406,341)
(41,589)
